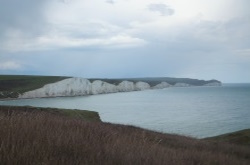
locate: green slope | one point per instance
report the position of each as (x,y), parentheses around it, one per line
(240,137)
(69,113)
(12,85)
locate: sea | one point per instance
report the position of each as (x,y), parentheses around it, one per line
(191,111)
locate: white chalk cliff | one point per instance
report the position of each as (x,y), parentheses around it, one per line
(213,84)
(182,85)
(81,87)
(139,86)
(67,87)
(126,86)
(161,85)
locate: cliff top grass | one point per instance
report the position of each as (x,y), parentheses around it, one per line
(240,137)
(12,85)
(69,113)
(45,136)
(23,83)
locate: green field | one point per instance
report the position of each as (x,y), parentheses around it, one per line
(240,137)
(13,85)
(68,113)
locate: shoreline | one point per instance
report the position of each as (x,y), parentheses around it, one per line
(10,99)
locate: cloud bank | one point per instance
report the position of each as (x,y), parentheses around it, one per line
(163,9)
(124,38)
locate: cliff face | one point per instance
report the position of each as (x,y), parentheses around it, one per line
(213,84)
(182,85)
(126,86)
(67,87)
(81,87)
(161,85)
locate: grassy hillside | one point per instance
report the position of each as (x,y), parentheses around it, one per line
(12,85)
(68,113)
(36,137)
(240,137)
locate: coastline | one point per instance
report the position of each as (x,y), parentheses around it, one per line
(50,87)
(151,88)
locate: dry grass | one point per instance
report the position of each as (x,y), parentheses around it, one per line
(44,138)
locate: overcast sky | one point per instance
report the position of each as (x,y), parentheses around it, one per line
(205,39)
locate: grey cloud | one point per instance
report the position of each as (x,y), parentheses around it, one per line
(110,1)
(26,16)
(199,49)
(88,29)
(24,27)
(163,9)
(22,21)
(65,1)
(23,13)
(204,36)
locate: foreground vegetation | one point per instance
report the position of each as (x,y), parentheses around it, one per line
(30,136)
(13,85)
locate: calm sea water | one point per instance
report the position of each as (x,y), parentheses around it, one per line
(195,111)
